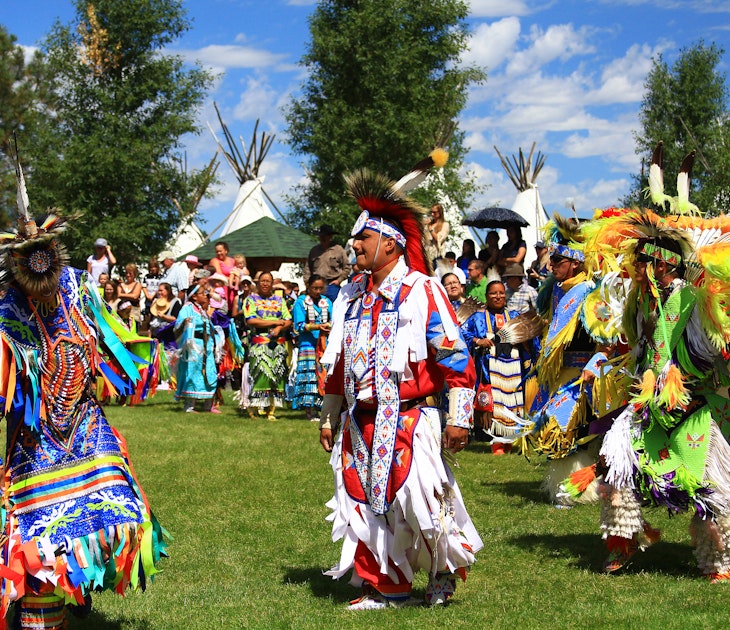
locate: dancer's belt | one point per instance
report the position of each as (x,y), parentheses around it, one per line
(405,405)
(262,339)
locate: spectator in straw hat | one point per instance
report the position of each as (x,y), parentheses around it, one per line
(521,297)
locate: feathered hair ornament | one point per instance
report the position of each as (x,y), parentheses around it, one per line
(563,237)
(655,190)
(387,209)
(33,256)
(656,237)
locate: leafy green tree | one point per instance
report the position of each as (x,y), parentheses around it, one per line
(384,83)
(115,111)
(685,106)
(17,98)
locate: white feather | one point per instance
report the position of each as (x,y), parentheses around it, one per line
(410,181)
(618,452)
(23,201)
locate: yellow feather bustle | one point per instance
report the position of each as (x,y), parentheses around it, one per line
(716,260)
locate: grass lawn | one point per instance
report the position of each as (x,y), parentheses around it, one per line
(244,500)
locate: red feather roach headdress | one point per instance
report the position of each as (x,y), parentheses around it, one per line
(402,217)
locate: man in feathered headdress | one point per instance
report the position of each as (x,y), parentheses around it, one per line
(665,447)
(569,361)
(74,517)
(394,345)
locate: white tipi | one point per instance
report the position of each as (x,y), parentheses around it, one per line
(252,202)
(187,237)
(527,204)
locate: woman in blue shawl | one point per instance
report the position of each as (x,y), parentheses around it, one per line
(197,376)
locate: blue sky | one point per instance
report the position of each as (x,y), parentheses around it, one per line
(566,74)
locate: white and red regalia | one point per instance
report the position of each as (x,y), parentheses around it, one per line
(397,507)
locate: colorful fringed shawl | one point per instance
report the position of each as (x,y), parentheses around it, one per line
(73,513)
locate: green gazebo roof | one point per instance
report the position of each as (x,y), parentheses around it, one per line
(264,238)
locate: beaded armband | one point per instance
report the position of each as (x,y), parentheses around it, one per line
(594,365)
(461,407)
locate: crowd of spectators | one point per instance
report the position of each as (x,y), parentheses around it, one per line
(501,290)
(282,327)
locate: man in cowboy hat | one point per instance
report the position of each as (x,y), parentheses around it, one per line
(328,260)
(388,371)
(521,297)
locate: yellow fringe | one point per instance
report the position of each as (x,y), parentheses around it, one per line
(549,366)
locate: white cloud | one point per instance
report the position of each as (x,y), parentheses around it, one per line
(259,100)
(611,140)
(694,6)
(498,8)
(491,44)
(622,80)
(282,176)
(230,56)
(560,41)
(499,190)
(602,193)
(29,52)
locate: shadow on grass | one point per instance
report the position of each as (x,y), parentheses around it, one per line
(97,620)
(339,591)
(321,585)
(587,552)
(528,490)
(483,448)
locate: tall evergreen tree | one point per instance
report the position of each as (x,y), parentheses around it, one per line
(384,81)
(686,107)
(116,109)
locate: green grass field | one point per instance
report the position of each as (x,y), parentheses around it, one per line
(244,500)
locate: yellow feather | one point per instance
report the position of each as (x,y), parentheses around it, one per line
(646,393)
(716,260)
(439,156)
(671,390)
